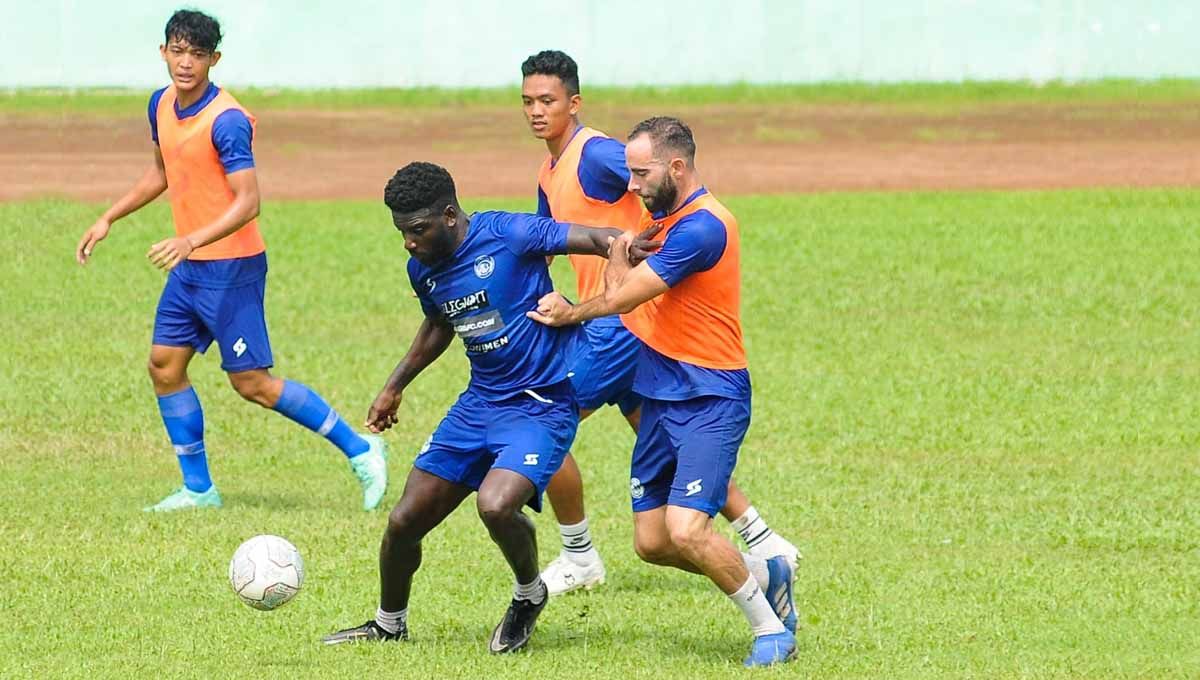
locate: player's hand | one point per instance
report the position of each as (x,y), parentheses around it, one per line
(95,234)
(382,414)
(552,310)
(169,252)
(643,246)
(620,257)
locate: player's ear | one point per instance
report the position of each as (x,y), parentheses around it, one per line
(162,52)
(575,102)
(216,56)
(677,166)
(450,216)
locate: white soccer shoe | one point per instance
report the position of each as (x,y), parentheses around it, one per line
(563,576)
(778,545)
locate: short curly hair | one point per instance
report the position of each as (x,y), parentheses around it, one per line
(195,28)
(553,63)
(418,186)
(665,131)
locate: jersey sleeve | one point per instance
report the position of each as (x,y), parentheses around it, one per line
(232,136)
(526,234)
(152,113)
(602,170)
(695,244)
(543,209)
(431,309)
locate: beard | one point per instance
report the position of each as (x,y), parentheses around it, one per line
(664,196)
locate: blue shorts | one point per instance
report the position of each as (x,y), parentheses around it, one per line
(529,434)
(603,364)
(192,316)
(686,451)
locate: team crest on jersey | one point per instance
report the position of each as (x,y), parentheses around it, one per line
(635,488)
(484,266)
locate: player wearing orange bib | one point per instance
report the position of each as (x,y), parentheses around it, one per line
(584,180)
(683,304)
(218,267)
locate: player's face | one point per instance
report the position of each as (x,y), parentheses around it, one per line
(650,177)
(549,111)
(428,234)
(187,64)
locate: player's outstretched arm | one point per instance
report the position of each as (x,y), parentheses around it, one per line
(245,206)
(152,183)
(583,240)
(431,340)
(626,287)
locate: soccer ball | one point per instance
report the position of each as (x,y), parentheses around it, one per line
(266,571)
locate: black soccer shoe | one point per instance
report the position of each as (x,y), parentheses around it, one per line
(368,632)
(514,631)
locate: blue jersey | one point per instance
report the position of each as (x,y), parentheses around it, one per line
(483,291)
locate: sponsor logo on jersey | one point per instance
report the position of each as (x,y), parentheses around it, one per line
(480,324)
(531,459)
(470,302)
(694,487)
(484,266)
(484,347)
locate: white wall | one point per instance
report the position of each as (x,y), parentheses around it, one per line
(356,43)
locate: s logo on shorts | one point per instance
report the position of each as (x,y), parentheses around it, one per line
(635,488)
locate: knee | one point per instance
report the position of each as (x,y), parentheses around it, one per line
(253,387)
(494,510)
(162,372)
(401,526)
(653,549)
(686,538)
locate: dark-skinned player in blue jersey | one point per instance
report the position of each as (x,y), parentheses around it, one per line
(476,277)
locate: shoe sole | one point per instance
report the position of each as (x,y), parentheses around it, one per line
(589,585)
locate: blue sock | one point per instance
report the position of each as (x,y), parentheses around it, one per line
(182,415)
(306,407)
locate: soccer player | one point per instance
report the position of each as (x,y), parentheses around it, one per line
(218,266)
(683,304)
(584,180)
(476,276)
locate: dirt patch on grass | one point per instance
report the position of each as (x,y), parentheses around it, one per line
(742,149)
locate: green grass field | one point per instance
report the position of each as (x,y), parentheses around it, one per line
(976,413)
(915,97)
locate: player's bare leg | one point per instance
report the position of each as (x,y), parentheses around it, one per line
(426,502)
(501,497)
(684,538)
(367,454)
(168,368)
(578,565)
(257,386)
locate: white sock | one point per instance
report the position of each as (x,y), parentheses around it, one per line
(750,599)
(533,592)
(577,543)
(752,528)
(758,569)
(392,622)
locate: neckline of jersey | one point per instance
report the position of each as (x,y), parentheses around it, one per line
(210,93)
(553,160)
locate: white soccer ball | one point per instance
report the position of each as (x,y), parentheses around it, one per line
(266,571)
